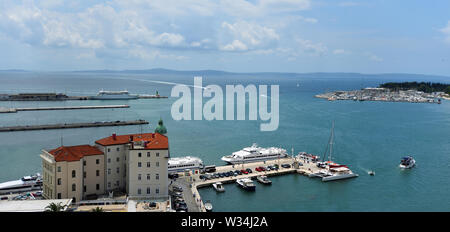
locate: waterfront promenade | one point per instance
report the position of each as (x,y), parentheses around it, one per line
(71,125)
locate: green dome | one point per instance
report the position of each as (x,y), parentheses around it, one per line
(161,128)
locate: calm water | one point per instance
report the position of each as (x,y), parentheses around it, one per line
(368,135)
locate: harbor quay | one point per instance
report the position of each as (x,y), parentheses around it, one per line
(192,181)
(15,110)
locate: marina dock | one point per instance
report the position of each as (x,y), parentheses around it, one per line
(193,182)
(71,125)
(15,110)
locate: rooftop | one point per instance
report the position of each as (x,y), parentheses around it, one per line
(150,140)
(74,153)
(30,205)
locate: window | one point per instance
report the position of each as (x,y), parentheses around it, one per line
(59,195)
(74,187)
(148,154)
(73,174)
(97,161)
(109,160)
(97,187)
(84,174)
(148,164)
(148,190)
(139,191)
(59,169)
(118,170)
(84,188)
(117,159)
(109,171)
(109,184)
(139,176)
(118,183)
(109,150)
(84,162)
(139,164)
(148,176)
(97,172)
(118,149)
(157,164)
(157,176)
(157,190)
(59,181)
(157,154)
(139,154)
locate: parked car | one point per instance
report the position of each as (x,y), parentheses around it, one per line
(248,170)
(286,165)
(244,171)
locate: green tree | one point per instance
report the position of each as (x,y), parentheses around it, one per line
(97,210)
(53,207)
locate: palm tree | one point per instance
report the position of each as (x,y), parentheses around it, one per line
(97,210)
(53,207)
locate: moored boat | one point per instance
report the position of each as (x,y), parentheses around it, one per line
(218,187)
(255,154)
(114,95)
(263,180)
(246,184)
(26,183)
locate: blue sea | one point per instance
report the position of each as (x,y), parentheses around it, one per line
(368,135)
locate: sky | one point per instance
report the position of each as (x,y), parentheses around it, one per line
(376,36)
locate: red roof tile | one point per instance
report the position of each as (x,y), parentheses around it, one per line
(74,153)
(154,140)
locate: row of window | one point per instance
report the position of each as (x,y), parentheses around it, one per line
(148,154)
(148,176)
(148,164)
(117,149)
(148,191)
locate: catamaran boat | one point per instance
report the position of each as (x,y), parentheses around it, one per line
(407,162)
(255,154)
(246,184)
(26,183)
(180,164)
(330,170)
(219,187)
(114,95)
(263,180)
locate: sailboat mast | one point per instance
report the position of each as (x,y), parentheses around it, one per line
(331,142)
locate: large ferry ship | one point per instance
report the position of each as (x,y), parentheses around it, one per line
(180,164)
(114,95)
(254,154)
(26,183)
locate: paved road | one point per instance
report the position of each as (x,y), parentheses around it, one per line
(187,194)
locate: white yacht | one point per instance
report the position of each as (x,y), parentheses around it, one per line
(339,173)
(114,95)
(254,154)
(26,183)
(407,162)
(246,184)
(219,187)
(180,164)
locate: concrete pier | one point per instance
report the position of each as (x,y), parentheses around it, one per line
(71,125)
(15,110)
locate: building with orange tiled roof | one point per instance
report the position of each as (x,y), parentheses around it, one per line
(75,172)
(136,164)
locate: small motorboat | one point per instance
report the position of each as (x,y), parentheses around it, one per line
(208,206)
(371,173)
(407,162)
(263,180)
(218,187)
(246,184)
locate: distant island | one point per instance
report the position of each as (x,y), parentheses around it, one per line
(416,92)
(426,87)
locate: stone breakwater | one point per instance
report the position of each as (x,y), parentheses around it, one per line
(382,94)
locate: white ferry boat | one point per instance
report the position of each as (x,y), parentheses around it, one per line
(180,164)
(26,183)
(246,184)
(114,95)
(407,162)
(254,154)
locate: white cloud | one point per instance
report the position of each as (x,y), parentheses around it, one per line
(340,52)
(446,32)
(247,36)
(373,57)
(310,47)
